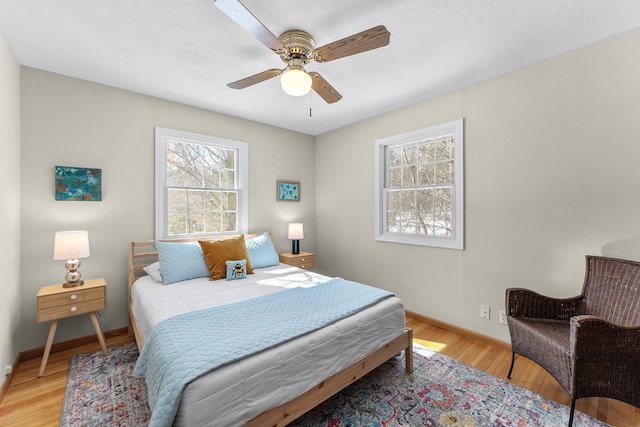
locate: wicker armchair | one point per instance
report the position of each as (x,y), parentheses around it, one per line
(589,343)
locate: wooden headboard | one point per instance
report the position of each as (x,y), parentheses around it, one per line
(144,253)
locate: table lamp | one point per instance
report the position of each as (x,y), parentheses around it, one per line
(296,232)
(71,245)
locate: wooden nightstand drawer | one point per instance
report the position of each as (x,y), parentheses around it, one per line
(56,302)
(70,309)
(73,297)
(302,260)
(306,266)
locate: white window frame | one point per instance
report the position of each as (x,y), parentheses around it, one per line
(457,240)
(162,135)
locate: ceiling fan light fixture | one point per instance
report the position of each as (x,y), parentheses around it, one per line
(295,81)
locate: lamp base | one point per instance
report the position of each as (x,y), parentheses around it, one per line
(295,247)
(73,276)
(73,284)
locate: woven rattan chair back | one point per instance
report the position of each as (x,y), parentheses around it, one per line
(612,290)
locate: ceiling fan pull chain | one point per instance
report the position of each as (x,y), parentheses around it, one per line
(309,104)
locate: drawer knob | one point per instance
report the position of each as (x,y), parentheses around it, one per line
(302,259)
(74,309)
(74,297)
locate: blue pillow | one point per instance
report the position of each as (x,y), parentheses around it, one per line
(181,261)
(236,269)
(261,251)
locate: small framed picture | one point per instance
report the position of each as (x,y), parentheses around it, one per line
(288,191)
(78,184)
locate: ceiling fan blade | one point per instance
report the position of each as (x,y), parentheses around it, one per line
(324,89)
(243,17)
(256,78)
(372,38)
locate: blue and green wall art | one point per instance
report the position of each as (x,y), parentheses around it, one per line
(78,184)
(288,191)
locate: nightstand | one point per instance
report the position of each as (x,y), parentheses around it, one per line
(56,302)
(302,260)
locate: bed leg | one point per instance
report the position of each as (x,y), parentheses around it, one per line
(408,353)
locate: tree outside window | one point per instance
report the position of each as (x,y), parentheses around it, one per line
(419,187)
(200,184)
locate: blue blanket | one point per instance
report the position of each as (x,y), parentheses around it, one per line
(185,347)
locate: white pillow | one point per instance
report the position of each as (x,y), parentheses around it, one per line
(153,270)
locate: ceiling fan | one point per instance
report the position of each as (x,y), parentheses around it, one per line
(297,48)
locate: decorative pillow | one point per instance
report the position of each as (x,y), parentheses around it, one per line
(153,270)
(237,269)
(180,261)
(218,252)
(262,253)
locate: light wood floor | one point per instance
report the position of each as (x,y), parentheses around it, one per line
(32,401)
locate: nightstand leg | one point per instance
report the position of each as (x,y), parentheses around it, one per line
(47,349)
(96,326)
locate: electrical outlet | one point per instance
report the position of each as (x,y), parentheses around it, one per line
(7,370)
(503,317)
(484,312)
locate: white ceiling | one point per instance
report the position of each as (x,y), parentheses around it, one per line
(188,50)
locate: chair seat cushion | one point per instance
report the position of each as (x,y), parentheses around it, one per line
(546,342)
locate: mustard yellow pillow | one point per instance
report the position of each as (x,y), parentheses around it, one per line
(218,252)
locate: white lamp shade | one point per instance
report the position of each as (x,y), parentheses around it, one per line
(296,231)
(295,81)
(71,245)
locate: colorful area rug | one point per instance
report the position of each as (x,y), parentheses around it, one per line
(102,391)
(441,392)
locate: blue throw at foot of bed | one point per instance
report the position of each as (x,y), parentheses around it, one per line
(185,347)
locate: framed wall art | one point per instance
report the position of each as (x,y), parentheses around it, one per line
(78,184)
(288,191)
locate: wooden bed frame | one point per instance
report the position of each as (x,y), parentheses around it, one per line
(143,253)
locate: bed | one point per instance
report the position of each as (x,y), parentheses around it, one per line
(271,386)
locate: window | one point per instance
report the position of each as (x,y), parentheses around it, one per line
(200,185)
(419,187)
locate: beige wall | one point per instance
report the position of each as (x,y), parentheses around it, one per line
(10,205)
(551,174)
(72,122)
